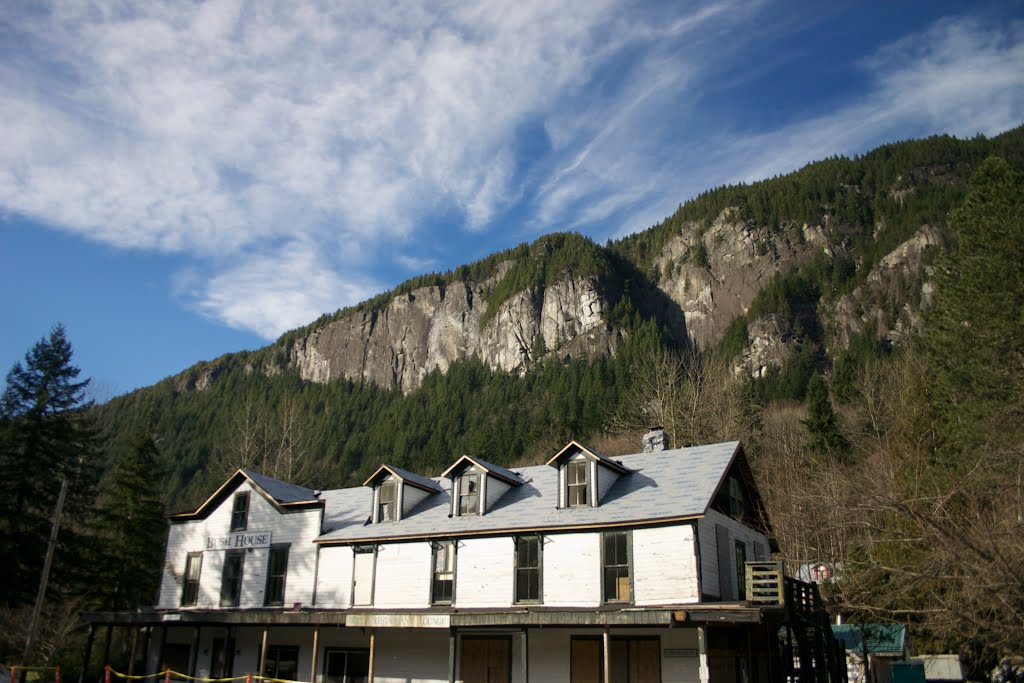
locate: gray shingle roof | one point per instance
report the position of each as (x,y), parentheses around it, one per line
(489,467)
(665,484)
(281,491)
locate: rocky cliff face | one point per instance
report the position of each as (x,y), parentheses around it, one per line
(431,327)
(706,277)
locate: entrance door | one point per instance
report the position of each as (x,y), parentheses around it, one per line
(633,660)
(486,660)
(346,666)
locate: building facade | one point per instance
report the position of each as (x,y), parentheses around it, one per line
(586,569)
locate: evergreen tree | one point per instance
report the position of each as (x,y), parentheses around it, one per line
(821,422)
(45,438)
(974,342)
(131,527)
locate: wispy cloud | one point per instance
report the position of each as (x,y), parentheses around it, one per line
(281,151)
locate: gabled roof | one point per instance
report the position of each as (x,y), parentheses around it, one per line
(670,485)
(496,471)
(416,480)
(280,494)
(875,639)
(574,446)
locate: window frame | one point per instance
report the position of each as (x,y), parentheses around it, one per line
(517,568)
(276,548)
(740,560)
(278,649)
(234,599)
(392,486)
(348,652)
(186,582)
(364,549)
(240,508)
(628,566)
(570,486)
(438,547)
(463,480)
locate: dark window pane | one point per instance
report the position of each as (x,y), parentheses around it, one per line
(277,569)
(190,585)
(231,580)
(240,511)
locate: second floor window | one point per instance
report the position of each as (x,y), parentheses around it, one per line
(616,567)
(231,579)
(240,511)
(386,501)
(277,570)
(528,564)
(190,584)
(443,584)
(469,494)
(576,474)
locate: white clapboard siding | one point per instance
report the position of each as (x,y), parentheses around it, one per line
(711,574)
(665,566)
(572,570)
(403,575)
(298,529)
(483,576)
(333,579)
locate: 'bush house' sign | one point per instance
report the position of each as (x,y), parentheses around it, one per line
(254,539)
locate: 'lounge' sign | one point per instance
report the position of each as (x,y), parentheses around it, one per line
(255,539)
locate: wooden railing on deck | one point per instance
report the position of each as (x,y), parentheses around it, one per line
(766,583)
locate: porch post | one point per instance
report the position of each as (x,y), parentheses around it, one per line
(452,647)
(160,647)
(263,651)
(702,653)
(373,654)
(193,655)
(607,642)
(145,648)
(316,644)
(525,655)
(131,650)
(106,645)
(88,652)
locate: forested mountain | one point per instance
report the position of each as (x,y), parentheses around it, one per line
(512,355)
(858,323)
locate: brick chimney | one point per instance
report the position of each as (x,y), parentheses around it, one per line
(655,440)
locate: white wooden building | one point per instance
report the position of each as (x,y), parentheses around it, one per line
(585,569)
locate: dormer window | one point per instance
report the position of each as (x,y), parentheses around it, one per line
(397,492)
(386,501)
(469,493)
(577,478)
(240,511)
(477,485)
(584,476)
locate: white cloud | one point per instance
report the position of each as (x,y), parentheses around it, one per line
(218,131)
(275,292)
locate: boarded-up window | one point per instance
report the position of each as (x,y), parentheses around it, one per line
(386,501)
(585,663)
(364,563)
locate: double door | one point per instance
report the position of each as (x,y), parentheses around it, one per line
(485,660)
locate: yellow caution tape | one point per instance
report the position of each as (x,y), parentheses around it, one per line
(180,676)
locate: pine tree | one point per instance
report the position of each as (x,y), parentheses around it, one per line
(45,438)
(821,422)
(131,527)
(974,343)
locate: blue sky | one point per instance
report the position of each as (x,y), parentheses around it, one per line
(180,180)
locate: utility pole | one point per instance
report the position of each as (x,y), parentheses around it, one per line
(33,624)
